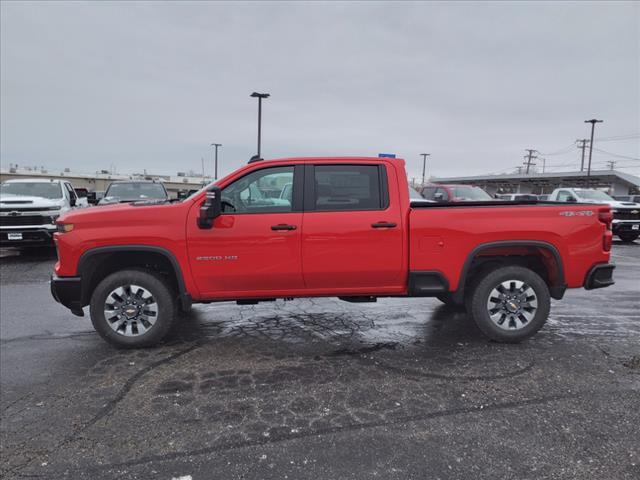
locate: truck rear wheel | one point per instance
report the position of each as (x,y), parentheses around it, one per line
(628,237)
(510,304)
(132,308)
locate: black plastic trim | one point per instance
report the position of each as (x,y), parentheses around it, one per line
(556,291)
(184,296)
(68,292)
(297,203)
(600,276)
(429,283)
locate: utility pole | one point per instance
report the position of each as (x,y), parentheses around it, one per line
(202,160)
(583,144)
(611,164)
(519,168)
(215,162)
(593,122)
(424,165)
(259,96)
(530,156)
(544,164)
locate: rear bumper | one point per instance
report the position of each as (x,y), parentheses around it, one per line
(68,292)
(600,276)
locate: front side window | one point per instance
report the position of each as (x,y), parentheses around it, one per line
(428,192)
(347,187)
(269,190)
(564,195)
(441,195)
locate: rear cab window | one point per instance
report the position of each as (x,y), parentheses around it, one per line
(346,188)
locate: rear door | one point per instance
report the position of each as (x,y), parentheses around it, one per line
(352,233)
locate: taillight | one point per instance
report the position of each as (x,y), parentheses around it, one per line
(607,240)
(605,216)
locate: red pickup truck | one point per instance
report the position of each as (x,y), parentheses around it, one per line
(312,227)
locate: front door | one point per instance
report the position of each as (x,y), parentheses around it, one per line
(253,248)
(352,236)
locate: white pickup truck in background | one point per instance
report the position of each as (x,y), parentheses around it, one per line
(29,209)
(626,215)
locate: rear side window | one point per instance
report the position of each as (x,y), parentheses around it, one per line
(348,187)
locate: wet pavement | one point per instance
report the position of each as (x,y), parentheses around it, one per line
(309,389)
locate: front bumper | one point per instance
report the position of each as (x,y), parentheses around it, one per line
(600,276)
(68,292)
(30,236)
(625,226)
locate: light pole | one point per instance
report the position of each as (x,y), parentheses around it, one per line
(424,165)
(259,96)
(215,162)
(593,122)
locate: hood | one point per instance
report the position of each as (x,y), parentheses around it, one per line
(20,201)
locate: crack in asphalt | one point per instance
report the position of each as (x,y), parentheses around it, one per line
(474,409)
(128,385)
(417,373)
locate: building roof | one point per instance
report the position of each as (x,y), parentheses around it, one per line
(542,177)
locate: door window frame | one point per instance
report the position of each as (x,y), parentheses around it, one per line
(310,187)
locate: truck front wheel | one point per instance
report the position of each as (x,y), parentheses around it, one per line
(132,308)
(510,304)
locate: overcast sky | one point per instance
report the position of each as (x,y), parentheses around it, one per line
(151,85)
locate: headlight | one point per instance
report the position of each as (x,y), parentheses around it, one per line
(65,227)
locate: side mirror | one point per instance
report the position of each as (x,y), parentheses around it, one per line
(572,200)
(72,201)
(211,208)
(438,197)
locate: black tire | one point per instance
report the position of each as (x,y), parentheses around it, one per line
(516,329)
(449,301)
(163,298)
(628,237)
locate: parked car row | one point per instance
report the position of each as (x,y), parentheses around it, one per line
(29,208)
(625,209)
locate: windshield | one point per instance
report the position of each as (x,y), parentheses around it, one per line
(136,191)
(32,189)
(593,195)
(470,193)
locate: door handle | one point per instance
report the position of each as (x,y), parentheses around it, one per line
(383,225)
(283,226)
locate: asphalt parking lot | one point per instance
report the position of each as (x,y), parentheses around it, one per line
(309,389)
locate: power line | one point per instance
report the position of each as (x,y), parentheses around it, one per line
(615,154)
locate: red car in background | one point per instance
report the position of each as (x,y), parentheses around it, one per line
(455,193)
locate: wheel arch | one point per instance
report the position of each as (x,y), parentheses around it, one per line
(96,263)
(498,252)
